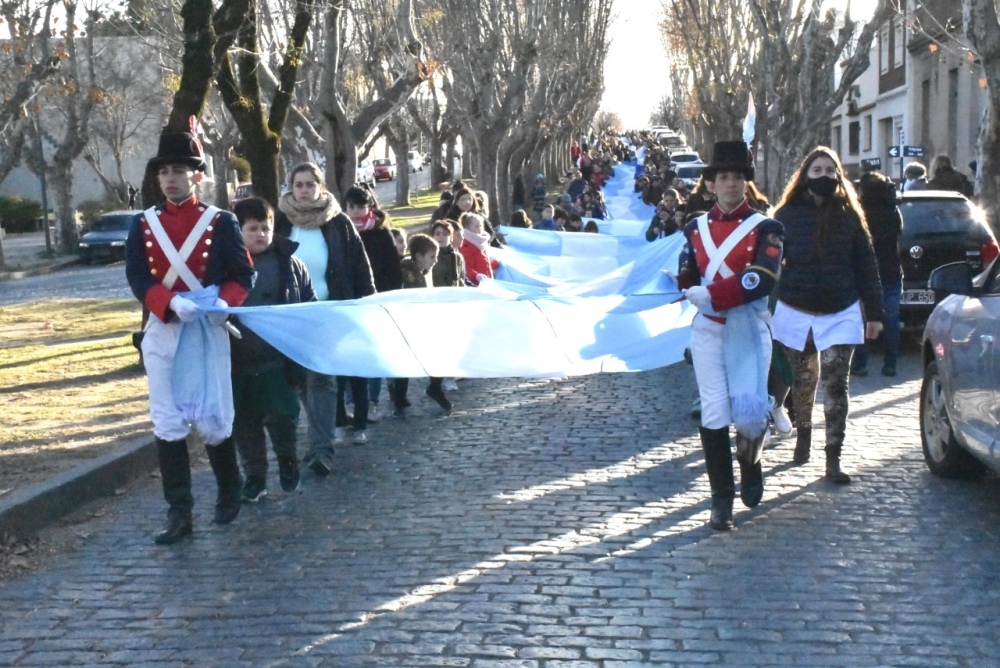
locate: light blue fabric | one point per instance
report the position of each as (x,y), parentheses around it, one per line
(747,364)
(566,304)
(200,375)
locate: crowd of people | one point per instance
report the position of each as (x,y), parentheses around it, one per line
(786,297)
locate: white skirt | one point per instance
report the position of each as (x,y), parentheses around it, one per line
(791,327)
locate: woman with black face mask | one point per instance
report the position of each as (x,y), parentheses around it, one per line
(830,298)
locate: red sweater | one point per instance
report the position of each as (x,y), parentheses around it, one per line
(477,262)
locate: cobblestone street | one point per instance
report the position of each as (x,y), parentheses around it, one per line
(545,524)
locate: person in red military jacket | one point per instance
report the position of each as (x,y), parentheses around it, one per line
(172,251)
(727,268)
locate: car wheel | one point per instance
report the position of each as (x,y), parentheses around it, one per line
(944,455)
(86,258)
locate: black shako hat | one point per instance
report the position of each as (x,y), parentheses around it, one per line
(730,156)
(180,148)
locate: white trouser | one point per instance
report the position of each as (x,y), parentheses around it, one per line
(159,346)
(710,369)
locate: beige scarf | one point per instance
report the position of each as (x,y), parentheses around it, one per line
(312,215)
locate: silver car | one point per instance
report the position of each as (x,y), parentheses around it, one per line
(960,393)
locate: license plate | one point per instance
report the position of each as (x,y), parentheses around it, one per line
(917,297)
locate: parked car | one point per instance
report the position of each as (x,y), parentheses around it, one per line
(690,172)
(385,169)
(415,160)
(959,395)
(105,239)
(939,227)
(243,191)
(684,157)
(365,173)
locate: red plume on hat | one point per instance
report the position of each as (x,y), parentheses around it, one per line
(181,148)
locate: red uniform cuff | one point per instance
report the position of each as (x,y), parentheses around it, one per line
(232,293)
(726,293)
(158,301)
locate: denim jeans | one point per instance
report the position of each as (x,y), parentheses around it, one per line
(891,294)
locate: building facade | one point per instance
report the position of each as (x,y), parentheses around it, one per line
(924,89)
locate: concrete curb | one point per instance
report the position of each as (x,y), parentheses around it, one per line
(27,511)
(61,263)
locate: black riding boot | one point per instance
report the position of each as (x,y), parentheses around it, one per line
(175,474)
(833,472)
(751,473)
(222,457)
(803,442)
(719,465)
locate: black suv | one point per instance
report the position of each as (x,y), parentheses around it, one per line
(938,227)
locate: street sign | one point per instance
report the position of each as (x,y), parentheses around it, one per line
(893,151)
(913,151)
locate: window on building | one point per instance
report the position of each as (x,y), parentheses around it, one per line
(836,137)
(853,137)
(883,49)
(866,135)
(897,47)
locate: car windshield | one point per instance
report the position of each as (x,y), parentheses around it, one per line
(690,172)
(684,157)
(111,223)
(381,162)
(938,216)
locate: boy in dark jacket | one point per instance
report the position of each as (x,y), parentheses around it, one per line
(263,378)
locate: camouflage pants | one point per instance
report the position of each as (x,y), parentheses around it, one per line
(833,365)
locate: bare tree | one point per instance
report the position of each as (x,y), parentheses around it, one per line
(239,82)
(391,67)
(798,52)
(983,30)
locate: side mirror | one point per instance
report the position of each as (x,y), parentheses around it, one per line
(954,278)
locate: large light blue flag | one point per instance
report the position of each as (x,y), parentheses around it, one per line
(564,304)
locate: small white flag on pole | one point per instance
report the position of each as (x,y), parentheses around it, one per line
(750,122)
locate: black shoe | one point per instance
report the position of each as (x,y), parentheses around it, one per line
(176,529)
(751,483)
(889,370)
(255,488)
(288,474)
(722,515)
(437,395)
(859,371)
(321,464)
(399,413)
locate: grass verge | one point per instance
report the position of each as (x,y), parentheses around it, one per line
(71,388)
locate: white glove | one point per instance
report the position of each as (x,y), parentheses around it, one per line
(184,308)
(215,317)
(699,296)
(480,278)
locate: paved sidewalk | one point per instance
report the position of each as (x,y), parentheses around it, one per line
(546,524)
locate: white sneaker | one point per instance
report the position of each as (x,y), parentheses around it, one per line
(360,438)
(339,434)
(373,415)
(349,410)
(450,385)
(782,425)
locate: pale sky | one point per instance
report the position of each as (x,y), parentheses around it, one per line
(635,72)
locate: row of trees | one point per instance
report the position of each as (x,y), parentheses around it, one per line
(280,81)
(799,61)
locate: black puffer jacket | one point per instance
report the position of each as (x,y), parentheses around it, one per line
(348,273)
(828,279)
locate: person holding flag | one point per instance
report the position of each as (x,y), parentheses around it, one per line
(185,261)
(727,268)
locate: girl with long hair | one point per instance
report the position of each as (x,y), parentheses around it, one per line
(830,298)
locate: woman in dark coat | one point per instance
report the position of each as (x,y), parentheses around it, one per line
(334,254)
(830,297)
